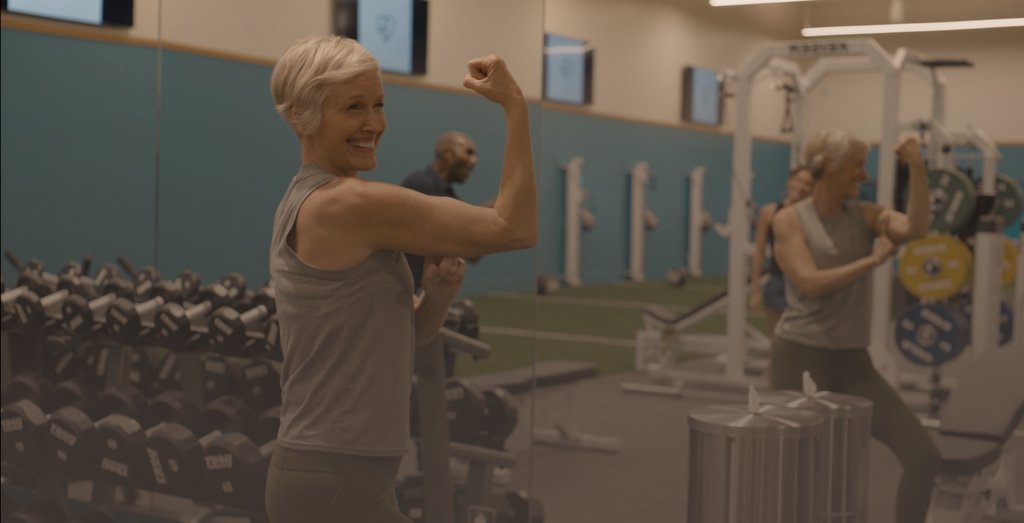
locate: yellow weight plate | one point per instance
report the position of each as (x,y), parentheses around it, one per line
(1009,262)
(935,267)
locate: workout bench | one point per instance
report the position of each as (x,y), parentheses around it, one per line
(978,441)
(566,432)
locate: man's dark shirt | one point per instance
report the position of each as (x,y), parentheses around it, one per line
(426,181)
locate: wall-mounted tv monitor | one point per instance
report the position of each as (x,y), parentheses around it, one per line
(94,12)
(568,70)
(395,31)
(702,96)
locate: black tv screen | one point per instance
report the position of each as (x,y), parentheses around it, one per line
(395,31)
(568,70)
(702,96)
(93,12)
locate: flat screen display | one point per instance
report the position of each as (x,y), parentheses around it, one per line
(568,70)
(94,12)
(702,96)
(395,31)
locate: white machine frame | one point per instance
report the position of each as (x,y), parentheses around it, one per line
(575,195)
(700,220)
(987,241)
(639,175)
(835,56)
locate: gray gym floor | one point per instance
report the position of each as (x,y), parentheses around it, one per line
(646,482)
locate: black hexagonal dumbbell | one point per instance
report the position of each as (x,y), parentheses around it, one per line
(70,440)
(61,358)
(463,318)
(258,382)
(35,313)
(174,452)
(83,317)
(188,283)
(174,322)
(121,439)
(464,404)
(28,385)
(26,431)
(69,434)
(236,470)
(21,423)
(218,376)
(64,439)
(141,277)
(229,329)
(126,319)
(500,418)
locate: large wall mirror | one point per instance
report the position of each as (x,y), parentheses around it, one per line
(638,186)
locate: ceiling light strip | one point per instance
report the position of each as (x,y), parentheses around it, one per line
(726,3)
(921,27)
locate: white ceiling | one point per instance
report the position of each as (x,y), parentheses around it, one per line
(785,20)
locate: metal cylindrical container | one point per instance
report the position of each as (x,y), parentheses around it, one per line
(843,471)
(753,464)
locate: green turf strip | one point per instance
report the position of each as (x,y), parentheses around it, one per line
(606,319)
(655,292)
(510,352)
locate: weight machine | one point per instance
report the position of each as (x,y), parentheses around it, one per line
(834,56)
(436,449)
(700,220)
(575,196)
(639,175)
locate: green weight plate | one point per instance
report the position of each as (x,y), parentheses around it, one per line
(952,197)
(1009,199)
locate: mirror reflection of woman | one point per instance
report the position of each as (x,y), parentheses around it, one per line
(827,246)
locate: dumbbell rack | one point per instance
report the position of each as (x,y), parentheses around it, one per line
(117,365)
(436,449)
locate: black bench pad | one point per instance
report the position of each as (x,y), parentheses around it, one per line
(551,372)
(962,456)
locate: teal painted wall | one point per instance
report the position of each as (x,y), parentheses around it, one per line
(78,126)
(79,165)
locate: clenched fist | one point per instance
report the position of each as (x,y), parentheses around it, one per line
(490,77)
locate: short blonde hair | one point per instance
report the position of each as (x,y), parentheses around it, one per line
(307,69)
(830,145)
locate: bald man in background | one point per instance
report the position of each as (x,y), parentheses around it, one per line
(454,159)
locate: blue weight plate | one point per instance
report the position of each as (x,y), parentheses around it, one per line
(931,335)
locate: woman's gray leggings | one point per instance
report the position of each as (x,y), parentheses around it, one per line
(850,371)
(321,487)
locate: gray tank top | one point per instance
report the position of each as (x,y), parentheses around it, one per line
(842,319)
(348,341)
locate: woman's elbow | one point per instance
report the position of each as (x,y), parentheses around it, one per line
(527,240)
(520,236)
